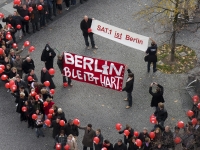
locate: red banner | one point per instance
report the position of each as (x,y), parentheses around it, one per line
(94,71)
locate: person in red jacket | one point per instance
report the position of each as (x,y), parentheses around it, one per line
(46,108)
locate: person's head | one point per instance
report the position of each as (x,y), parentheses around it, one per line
(119,142)
(58,119)
(128,127)
(198,121)
(133,139)
(17,57)
(62,132)
(31,72)
(60,57)
(89,127)
(147,140)
(49,99)
(22,95)
(161,105)
(70,137)
(157,130)
(44,69)
(86,18)
(131,75)
(37,111)
(24,7)
(43,91)
(60,110)
(47,47)
(8,66)
(167,129)
(177,129)
(98,131)
(21,88)
(145,130)
(10,17)
(41,1)
(12,52)
(28,59)
(14,70)
(153,43)
(18,78)
(15,13)
(70,121)
(107,142)
(159,145)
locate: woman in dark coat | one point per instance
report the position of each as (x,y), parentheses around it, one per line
(45,76)
(132,145)
(47,56)
(157,96)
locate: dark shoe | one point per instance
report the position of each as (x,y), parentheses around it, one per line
(28,32)
(37,136)
(148,71)
(38,30)
(154,71)
(51,19)
(33,31)
(43,136)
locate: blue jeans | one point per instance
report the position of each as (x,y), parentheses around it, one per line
(129,96)
(154,66)
(39,132)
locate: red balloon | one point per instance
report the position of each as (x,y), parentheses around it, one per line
(47,83)
(26,43)
(14,45)
(17,2)
(52,91)
(153,120)
(30,9)
(24,109)
(89,30)
(1,70)
(126,132)
(34,116)
(66,147)
(198,105)
(8,37)
(45,104)
(194,121)
(65,84)
(177,140)
(136,134)
(49,116)
(76,122)
(51,71)
(31,49)
(96,140)
(2,67)
(12,82)
(7,85)
(33,93)
(37,97)
(8,32)
(13,88)
(1,15)
(118,126)
(47,122)
(1,51)
(4,77)
(138,142)
(30,78)
(58,146)
(26,18)
(104,148)
(39,7)
(62,122)
(18,26)
(152,135)
(180,124)
(51,111)
(190,113)
(195,98)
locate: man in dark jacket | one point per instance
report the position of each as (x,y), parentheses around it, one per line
(70,128)
(152,58)
(43,13)
(143,135)
(45,76)
(120,145)
(27,65)
(85,25)
(127,138)
(100,144)
(161,115)
(60,65)
(129,88)
(47,56)
(88,137)
(157,96)
(56,127)
(33,75)
(168,138)
(35,18)
(108,145)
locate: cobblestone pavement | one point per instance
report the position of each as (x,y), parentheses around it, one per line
(92,104)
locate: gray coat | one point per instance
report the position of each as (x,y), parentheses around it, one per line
(88,137)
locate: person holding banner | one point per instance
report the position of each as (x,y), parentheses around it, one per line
(86,29)
(152,58)
(129,88)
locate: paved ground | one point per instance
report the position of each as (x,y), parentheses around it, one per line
(92,104)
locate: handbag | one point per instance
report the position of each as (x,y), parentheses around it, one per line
(146,58)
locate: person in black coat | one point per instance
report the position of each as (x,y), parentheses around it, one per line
(60,66)
(161,115)
(70,128)
(100,144)
(108,145)
(30,112)
(129,88)
(45,76)
(56,127)
(43,13)
(35,18)
(157,96)
(47,56)
(152,58)
(127,138)
(33,75)
(132,145)
(27,65)
(143,135)
(120,145)
(85,25)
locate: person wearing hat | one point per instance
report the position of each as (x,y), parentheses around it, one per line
(129,88)
(120,145)
(88,137)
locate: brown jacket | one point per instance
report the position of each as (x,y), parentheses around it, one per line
(59,1)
